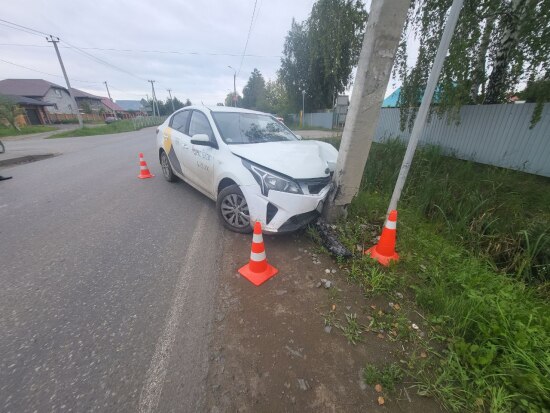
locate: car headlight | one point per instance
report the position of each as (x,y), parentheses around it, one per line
(269,180)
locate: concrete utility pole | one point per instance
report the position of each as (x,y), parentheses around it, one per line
(386,21)
(110,98)
(55,40)
(426,101)
(154,97)
(108,93)
(171,101)
(234,86)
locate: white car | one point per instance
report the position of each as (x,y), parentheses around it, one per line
(251,164)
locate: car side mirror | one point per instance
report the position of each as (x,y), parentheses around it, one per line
(299,137)
(201,139)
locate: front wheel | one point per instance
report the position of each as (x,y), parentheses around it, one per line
(233,210)
(166,168)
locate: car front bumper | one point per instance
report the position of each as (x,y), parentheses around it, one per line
(281,212)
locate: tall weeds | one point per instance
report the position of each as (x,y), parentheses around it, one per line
(499,214)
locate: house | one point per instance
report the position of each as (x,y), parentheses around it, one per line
(86,102)
(33,110)
(110,107)
(41,90)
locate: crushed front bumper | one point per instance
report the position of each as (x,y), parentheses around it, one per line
(281,211)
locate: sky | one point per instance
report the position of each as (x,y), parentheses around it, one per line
(183,45)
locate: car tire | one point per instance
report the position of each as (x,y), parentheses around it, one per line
(235,220)
(167,171)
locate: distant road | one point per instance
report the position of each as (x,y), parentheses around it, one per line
(107,281)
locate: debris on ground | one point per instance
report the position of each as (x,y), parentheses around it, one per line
(330,240)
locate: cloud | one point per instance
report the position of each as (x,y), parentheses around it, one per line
(207,27)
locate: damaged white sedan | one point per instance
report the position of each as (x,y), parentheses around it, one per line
(251,164)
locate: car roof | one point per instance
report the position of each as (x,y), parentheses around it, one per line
(224,109)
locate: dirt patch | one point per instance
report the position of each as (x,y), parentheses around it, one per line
(272,350)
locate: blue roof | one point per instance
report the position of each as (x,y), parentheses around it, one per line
(392,100)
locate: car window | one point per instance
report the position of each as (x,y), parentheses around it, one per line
(199,124)
(179,121)
(237,128)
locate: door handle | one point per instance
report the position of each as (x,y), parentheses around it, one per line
(184,145)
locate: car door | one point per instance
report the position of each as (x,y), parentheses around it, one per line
(201,157)
(176,142)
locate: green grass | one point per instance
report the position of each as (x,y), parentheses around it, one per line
(387,376)
(474,250)
(115,127)
(25,130)
(498,214)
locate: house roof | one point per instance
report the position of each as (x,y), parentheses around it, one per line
(27,87)
(130,105)
(22,100)
(392,100)
(111,105)
(77,93)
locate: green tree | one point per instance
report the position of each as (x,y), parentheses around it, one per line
(276,99)
(9,111)
(538,92)
(187,103)
(497,45)
(319,54)
(229,100)
(254,92)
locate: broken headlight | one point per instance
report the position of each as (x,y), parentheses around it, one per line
(269,180)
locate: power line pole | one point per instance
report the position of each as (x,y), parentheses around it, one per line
(108,93)
(234,86)
(55,40)
(426,101)
(384,26)
(171,100)
(154,97)
(110,98)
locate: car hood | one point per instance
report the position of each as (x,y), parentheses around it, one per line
(297,159)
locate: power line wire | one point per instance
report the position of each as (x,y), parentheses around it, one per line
(148,51)
(89,55)
(44,73)
(22,30)
(248,36)
(24,27)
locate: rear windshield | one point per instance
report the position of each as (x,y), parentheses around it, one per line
(240,128)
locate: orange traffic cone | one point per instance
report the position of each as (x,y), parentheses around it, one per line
(384,251)
(144,170)
(258,271)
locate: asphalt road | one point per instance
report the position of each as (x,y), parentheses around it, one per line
(107,281)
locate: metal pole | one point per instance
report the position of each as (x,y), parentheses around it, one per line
(426,101)
(171,101)
(55,40)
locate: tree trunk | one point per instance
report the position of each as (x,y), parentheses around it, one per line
(478,75)
(496,89)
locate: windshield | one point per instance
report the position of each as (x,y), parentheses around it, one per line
(239,128)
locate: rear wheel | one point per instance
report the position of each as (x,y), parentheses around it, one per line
(233,210)
(166,168)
